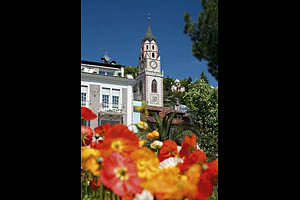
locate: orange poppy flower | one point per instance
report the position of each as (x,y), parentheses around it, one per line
(120,175)
(87,114)
(146,162)
(119,138)
(169,149)
(169,184)
(187,146)
(100,130)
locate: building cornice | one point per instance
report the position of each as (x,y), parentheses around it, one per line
(113,79)
(97,64)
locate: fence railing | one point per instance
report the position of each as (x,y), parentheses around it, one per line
(111,107)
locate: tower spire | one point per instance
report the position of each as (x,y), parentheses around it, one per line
(149,36)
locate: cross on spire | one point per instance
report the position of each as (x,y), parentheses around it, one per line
(148,14)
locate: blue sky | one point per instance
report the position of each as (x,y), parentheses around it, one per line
(119,26)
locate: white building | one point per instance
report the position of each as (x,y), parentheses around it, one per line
(106,91)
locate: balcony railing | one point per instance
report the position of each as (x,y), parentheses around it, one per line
(112,108)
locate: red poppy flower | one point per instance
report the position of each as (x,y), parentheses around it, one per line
(100,130)
(212,172)
(197,156)
(168,149)
(208,179)
(205,188)
(87,114)
(188,146)
(119,174)
(119,138)
(95,183)
(96,144)
(87,134)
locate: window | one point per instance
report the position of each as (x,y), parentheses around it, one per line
(110,73)
(105,97)
(153,55)
(115,98)
(83,95)
(154,86)
(85,122)
(152,47)
(147,47)
(111,122)
(141,86)
(101,72)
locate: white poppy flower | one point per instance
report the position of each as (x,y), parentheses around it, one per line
(145,195)
(156,144)
(170,162)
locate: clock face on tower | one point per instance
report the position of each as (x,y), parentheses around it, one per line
(154,99)
(153,64)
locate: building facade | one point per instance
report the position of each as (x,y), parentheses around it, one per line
(106,91)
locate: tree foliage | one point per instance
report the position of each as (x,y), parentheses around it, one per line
(202,100)
(204,35)
(131,70)
(204,77)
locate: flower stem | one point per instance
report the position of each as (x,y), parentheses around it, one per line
(101,191)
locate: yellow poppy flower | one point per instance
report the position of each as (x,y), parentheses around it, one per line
(150,136)
(155,133)
(142,143)
(146,162)
(89,158)
(143,126)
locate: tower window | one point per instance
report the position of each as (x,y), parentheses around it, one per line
(141,86)
(147,47)
(154,86)
(153,55)
(152,47)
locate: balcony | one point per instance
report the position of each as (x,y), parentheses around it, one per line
(110,108)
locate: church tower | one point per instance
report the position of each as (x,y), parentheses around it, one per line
(150,78)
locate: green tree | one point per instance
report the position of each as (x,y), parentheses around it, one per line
(203,77)
(168,99)
(131,70)
(202,100)
(204,35)
(185,83)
